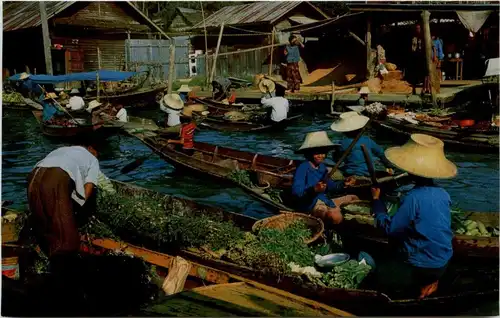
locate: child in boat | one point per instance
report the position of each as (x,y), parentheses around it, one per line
(421,228)
(350,124)
(185,143)
(309,186)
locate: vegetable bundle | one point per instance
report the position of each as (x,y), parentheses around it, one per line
(347,275)
(243,177)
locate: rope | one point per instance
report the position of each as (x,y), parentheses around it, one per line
(244,51)
(250,31)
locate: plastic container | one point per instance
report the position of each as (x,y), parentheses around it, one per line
(331,260)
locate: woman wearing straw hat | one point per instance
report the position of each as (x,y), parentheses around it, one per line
(363,95)
(350,124)
(50,110)
(183,91)
(309,184)
(421,227)
(172,104)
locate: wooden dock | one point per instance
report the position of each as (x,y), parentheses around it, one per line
(449,90)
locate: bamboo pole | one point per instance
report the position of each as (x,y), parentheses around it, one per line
(333,98)
(428,53)
(368,48)
(171,67)
(98,58)
(46,38)
(272,53)
(98,83)
(216,52)
(206,41)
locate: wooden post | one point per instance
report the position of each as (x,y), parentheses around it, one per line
(206,42)
(428,53)
(128,58)
(369,48)
(98,84)
(98,58)
(333,97)
(272,51)
(216,52)
(171,67)
(46,38)
(150,57)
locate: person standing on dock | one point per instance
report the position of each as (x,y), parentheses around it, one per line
(292,54)
(61,189)
(421,228)
(279,104)
(309,184)
(75,102)
(417,68)
(172,105)
(350,124)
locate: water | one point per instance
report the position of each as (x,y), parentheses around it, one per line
(474,189)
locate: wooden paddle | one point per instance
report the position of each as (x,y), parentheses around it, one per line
(345,154)
(369,165)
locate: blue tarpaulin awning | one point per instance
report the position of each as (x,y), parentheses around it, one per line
(104,76)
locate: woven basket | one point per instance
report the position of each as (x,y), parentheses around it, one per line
(282,221)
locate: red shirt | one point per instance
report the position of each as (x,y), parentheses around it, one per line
(187,133)
(232,99)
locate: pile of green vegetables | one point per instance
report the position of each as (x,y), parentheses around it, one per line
(461,225)
(243,177)
(348,275)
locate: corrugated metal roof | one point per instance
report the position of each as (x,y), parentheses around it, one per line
(265,11)
(26,14)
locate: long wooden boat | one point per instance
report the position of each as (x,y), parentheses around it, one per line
(96,130)
(242,126)
(142,97)
(264,171)
(469,141)
(357,301)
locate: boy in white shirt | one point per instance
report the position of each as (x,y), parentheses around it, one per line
(278,103)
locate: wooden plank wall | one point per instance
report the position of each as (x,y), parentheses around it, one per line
(237,65)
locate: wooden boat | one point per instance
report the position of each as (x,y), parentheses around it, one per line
(97,130)
(465,140)
(141,97)
(242,126)
(264,171)
(360,230)
(218,109)
(359,302)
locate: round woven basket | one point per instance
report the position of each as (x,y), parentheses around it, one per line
(282,221)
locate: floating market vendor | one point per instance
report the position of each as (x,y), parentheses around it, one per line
(221,89)
(421,228)
(95,110)
(172,104)
(309,186)
(121,114)
(50,110)
(292,54)
(76,102)
(186,94)
(61,189)
(27,87)
(185,144)
(278,104)
(363,96)
(350,124)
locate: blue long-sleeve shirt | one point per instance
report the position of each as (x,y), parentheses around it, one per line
(354,164)
(49,109)
(304,180)
(421,228)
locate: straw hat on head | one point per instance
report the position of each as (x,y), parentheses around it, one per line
(173,101)
(349,121)
(316,140)
(423,156)
(184,89)
(23,76)
(93,104)
(364,90)
(266,85)
(50,96)
(74,91)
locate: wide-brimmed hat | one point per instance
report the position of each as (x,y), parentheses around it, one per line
(316,140)
(364,90)
(93,104)
(349,121)
(184,89)
(23,75)
(74,91)
(50,96)
(266,86)
(423,156)
(173,101)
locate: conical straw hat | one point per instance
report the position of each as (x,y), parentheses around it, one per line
(423,156)
(266,83)
(364,90)
(173,101)
(315,140)
(349,121)
(93,104)
(23,75)
(184,89)
(50,95)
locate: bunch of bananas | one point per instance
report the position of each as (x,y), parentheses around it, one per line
(13,98)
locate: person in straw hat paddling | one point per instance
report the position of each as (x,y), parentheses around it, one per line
(50,112)
(278,104)
(186,143)
(350,124)
(172,104)
(421,228)
(309,184)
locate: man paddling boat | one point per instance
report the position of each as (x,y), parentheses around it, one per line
(278,104)
(309,184)
(421,228)
(172,105)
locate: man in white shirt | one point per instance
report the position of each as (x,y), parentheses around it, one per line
(75,102)
(278,103)
(121,115)
(60,185)
(172,104)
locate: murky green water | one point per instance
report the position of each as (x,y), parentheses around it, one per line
(475,188)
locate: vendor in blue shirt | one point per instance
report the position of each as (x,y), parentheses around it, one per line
(50,110)
(421,228)
(350,124)
(309,186)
